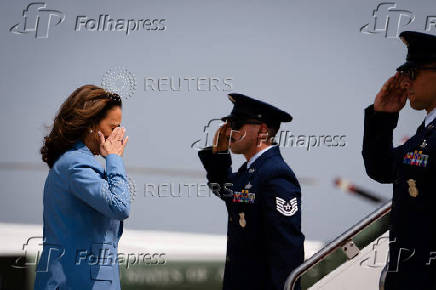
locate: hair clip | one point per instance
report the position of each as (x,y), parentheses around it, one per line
(113,97)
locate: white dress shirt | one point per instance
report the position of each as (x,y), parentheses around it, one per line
(430,117)
(258,154)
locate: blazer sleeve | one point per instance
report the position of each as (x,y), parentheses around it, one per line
(378,152)
(219,172)
(110,195)
(284,239)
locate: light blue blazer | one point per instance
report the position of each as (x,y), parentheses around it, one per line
(84,209)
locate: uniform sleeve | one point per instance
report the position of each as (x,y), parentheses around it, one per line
(378,153)
(218,172)
(282,215)
(109,196)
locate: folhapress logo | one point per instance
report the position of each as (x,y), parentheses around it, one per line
(390,21)
(107,23)
(38,19)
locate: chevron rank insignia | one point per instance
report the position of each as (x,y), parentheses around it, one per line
(287,208)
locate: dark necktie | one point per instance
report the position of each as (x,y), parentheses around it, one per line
(243,167)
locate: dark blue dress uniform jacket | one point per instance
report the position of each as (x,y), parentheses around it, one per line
(412,170)
(264,242)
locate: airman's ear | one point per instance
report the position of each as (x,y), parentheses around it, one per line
(263,134)
(263,129)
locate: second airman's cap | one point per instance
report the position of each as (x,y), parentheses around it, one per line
(421,48)
(245,108)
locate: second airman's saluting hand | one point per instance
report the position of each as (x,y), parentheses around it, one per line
(393,95)
(221,139)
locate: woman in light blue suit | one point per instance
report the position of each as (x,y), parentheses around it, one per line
(84,204)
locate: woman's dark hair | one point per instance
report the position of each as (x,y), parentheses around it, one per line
(82,110)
